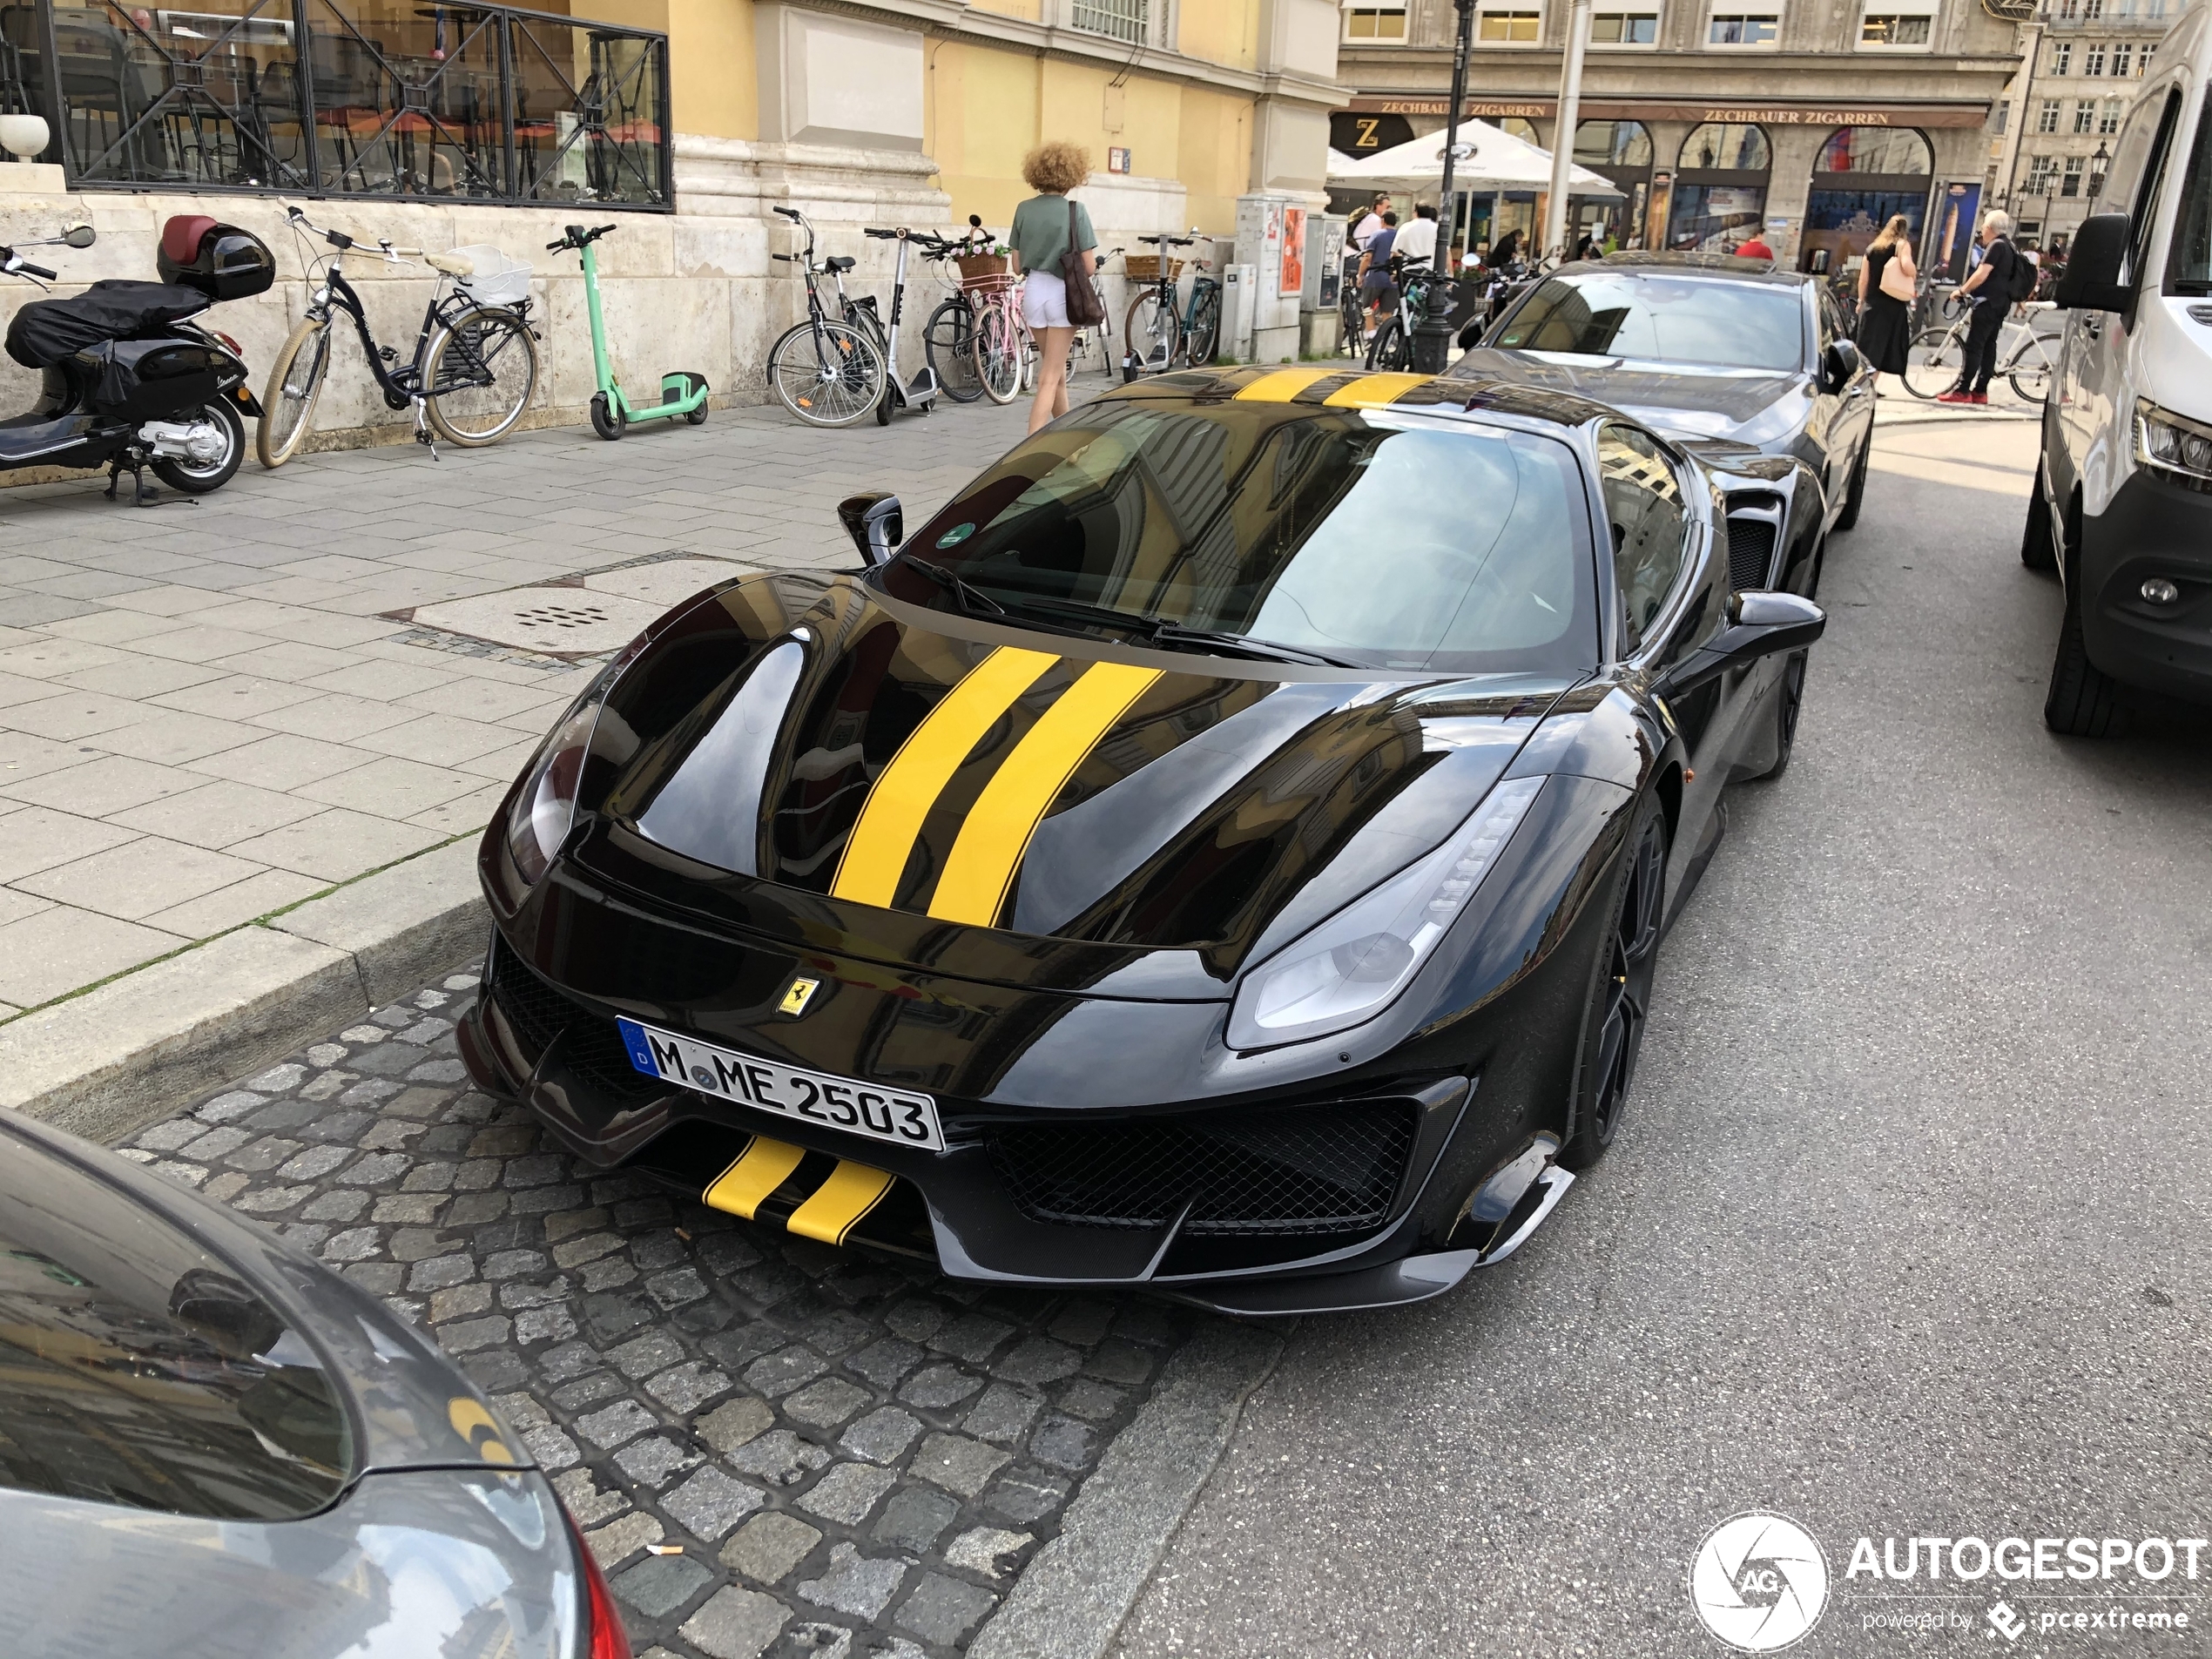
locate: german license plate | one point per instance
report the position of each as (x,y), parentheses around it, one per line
(894,1115)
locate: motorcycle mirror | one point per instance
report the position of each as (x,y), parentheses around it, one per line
(80,236)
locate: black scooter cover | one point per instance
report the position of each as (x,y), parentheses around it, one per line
(46,331)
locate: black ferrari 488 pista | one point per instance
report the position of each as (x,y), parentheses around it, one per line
(1225,852)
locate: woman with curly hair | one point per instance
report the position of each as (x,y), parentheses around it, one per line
(1038,237)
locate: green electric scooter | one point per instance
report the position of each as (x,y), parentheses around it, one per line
(681,392)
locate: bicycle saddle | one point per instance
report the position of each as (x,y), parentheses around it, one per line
(459,265)
(838,262)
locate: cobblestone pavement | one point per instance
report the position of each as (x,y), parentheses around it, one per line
(774,1446)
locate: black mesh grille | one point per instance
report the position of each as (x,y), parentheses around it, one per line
(1318,1169)
(1751,552)
(539,1012)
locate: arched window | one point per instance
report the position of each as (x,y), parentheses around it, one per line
(1726,146)
(1612,144)
(1887,149)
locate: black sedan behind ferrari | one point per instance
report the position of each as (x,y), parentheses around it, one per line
(1225,852)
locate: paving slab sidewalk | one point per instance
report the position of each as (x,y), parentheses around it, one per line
(207,715)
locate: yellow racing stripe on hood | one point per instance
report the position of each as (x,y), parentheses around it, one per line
(1283,385)
(981,864)
(1372,391)
(891,818)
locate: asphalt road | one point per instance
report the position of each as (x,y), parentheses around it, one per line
(1905,1234)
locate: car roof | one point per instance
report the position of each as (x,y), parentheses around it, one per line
(1721,267)
(1320,386)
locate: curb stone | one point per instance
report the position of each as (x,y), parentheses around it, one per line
(105,1064)
(1070,1603)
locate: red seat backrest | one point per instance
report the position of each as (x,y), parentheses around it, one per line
(181,237)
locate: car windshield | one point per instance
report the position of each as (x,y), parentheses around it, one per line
(137,1370)
(1663,320)
(1364,538)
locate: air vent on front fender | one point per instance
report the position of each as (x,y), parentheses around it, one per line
(1754,526)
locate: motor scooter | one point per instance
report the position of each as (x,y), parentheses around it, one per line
(127,381)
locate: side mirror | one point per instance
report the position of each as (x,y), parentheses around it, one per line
(1839,365)
(80,236)
(2091,281)
(875,524)
(1759,623)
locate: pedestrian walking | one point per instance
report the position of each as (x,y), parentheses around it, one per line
(1754,248)
(1989,285)
(1377,292)
(1885,280)
(1038,237)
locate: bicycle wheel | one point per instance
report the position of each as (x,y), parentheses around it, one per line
(481,374)
(2030,371)
(1353,320)
(825,374)
(998,355)
(295,383)
(1935,362)
(1202,338)
(1152,331)
(949,341)
(1391,347)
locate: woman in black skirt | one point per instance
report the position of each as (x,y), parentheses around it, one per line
(1885,322)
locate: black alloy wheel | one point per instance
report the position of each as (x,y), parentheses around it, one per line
(1789,698)
(217,423)
(1619,999)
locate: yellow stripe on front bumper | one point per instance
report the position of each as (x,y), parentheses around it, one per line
(852,1191)
(982,864)
(1283,385)
(1372,391)
(891,818)
(745,1186)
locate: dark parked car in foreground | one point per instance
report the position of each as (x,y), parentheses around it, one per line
(1225,852)
(1704,349)
(212,1448)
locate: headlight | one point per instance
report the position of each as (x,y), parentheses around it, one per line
(544,808)
(2173,444)
(1354,965)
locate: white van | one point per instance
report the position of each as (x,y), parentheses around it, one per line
(2122,508)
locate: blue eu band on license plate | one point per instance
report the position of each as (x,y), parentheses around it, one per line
(898,1116)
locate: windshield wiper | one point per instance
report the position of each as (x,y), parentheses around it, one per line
(1158,630)
(969,599)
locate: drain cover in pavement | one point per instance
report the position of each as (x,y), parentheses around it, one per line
(584,616)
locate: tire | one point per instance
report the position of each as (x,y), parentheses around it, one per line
(697,417)
(2030,375)
(998,357)
(949,341)
(1153,331)
(1855,493)
(1789,702)
(1619,998)
(2036,551)
(607,421)
(828,375)
(1354,317)
(1934,362)
(1202,339)
(482,372)
(2084,700)
(289,416)
(198,478)
(1389,346)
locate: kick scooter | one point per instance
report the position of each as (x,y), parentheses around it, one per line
(921,393)
(681,391)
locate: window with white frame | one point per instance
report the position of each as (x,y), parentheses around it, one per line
(2142,63)
(2070,181)
(2039,169)
(2046,118)
(2109,118)
(1625,27)
(1129,20)
(2093,58)
(1897,25)
(1374,20)
(1508,23)
(2085,114)
(2063,58)
(2122,53)
(1737,24)
(2004,113)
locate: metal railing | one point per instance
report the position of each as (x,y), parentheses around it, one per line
(346,98)
(1129,20)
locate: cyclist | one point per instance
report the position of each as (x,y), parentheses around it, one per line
(1377,292)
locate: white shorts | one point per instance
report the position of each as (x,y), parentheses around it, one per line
(1044,300)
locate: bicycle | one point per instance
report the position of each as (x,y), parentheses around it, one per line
(475,356)
(948,337)
(825,370)
(1079,348)
(1392,346)
(1351,313)
(1936,360)
(1157,339)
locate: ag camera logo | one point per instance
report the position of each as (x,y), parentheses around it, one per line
(1758,1581)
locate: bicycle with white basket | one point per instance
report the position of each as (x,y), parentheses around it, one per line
(476,357)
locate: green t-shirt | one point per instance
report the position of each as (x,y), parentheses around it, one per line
(1040,231)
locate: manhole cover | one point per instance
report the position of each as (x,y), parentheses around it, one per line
(606,612)
(557,617)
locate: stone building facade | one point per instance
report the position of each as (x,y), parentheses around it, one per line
(1810,120)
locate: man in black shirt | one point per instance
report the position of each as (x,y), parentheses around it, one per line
(1989,285)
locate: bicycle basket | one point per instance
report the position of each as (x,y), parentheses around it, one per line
(990,282)
(1145,267)
(497,280)
(976,266)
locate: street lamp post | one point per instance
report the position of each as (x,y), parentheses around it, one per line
(2098,163)
(1432,339)
(1570,111)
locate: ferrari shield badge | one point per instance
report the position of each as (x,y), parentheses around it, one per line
(798,995)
